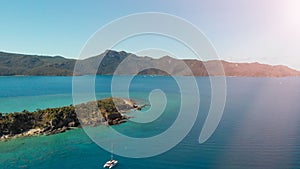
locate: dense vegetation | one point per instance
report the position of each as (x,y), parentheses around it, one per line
(54,120)
(19,64)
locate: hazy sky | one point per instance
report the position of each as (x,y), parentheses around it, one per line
(265,31)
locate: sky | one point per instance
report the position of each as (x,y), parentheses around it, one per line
(265,31)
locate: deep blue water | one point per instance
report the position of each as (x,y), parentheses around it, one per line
(260,126)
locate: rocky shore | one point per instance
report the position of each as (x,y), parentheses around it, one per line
(109,111)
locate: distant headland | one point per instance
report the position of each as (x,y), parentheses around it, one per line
(109,111)
(33,65)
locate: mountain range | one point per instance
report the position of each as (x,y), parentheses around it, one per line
(123,63)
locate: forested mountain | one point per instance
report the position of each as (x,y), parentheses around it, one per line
(123,63)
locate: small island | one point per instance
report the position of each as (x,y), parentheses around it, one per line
(109,111)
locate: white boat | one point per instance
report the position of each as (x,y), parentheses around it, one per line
(110,163)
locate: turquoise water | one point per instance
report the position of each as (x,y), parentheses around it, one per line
(260,127)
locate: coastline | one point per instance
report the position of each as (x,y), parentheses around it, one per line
(109,111)
(33,132)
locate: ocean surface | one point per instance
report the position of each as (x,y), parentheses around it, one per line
(260,126)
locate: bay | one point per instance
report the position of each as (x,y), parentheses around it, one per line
(260,126)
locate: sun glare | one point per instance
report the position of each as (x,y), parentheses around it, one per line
(291,14)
